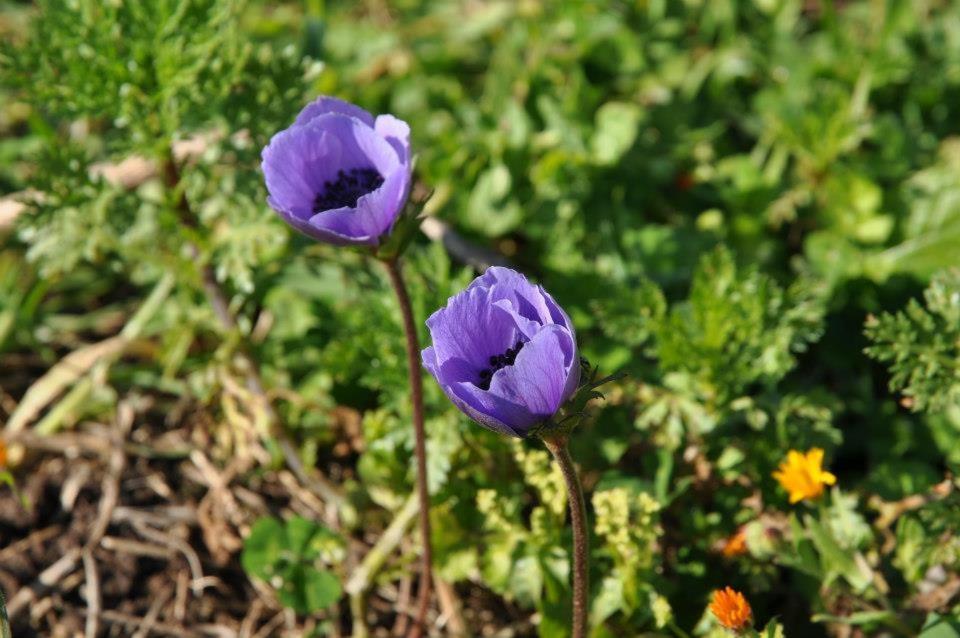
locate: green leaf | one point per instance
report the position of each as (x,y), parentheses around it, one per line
(738,326)
(615,131)
(498,563)
(286,555)
(860,618)
(937,626)
(490,210)
(299,532)
(835,560)
(263,547)
(608,601)
(773,629)
(921,345)
(805,556)
(526,580)
(321,589)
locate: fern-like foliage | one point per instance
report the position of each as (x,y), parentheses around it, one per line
(921,345)
(110,81)
(738,326)
(146,68)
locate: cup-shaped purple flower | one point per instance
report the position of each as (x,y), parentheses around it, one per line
(504,352)
(338,174)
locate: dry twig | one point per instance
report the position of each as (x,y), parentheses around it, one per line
(91,593)
(149,621)
(47,579)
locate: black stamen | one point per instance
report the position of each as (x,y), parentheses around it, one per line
(497,362)
(347,188)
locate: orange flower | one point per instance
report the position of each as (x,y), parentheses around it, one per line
(803,476)
(3,454)
(731,609)
(736,545)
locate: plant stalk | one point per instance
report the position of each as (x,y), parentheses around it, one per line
(578,520)
(420,442)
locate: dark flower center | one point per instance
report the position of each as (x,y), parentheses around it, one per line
(347,188)
(497,362)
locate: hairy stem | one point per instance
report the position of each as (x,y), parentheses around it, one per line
(578,520)
(420,442)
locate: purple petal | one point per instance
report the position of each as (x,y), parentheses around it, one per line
(303,225)
(323,105)
(455,371)
(540,378)
(491,411)
(330,138)
(397,133)
(299,161)
(457,375)
(372,217)
(527,327)
(291,162)
(557,313)
(525,298)
(471,328)
(343,226)
(360,145)
(429,357)
(382,206)
(486,319)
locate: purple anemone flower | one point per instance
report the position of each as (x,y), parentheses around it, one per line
(339,175)
(504,352)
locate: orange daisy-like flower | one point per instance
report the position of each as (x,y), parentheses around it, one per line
(731,609)
(803,476)
(3,454)
(736,545)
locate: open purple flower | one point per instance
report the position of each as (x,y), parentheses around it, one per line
(504,352)
(339,175)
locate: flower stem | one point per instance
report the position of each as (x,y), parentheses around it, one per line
(420,443)
(578,520)
(677,630)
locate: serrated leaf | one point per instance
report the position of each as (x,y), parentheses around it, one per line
(921,345)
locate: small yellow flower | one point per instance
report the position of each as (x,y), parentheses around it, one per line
(736,545)
(803,476)
(731,609)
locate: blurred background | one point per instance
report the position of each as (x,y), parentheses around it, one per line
(751,208)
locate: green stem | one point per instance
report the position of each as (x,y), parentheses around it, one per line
(420,442)
(578,520)
(363,576)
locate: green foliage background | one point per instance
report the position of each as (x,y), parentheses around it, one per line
(750,208)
